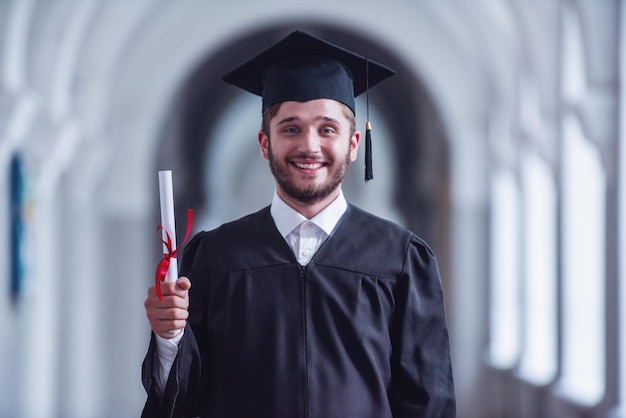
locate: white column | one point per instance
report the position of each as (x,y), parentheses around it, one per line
(620,411)
(37,325)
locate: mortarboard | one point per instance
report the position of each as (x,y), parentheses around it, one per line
(302,67)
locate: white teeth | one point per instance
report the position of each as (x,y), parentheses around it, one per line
(308,166)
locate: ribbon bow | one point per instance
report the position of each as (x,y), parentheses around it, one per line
(164,264)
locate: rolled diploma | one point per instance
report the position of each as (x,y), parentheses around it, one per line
(168,220)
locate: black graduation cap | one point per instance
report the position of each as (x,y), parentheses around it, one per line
(303,67)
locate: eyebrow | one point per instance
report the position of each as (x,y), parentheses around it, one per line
(294,118)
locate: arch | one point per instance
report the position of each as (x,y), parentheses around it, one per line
(416,134)
(145,108)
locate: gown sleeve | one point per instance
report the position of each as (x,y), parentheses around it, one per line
(422,383)
(183,390)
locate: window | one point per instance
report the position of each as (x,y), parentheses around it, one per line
(504,298)
(17,227)
(583,267)
(539,359)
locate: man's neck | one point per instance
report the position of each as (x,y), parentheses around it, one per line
(308,209)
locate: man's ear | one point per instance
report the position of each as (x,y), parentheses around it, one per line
(264,144)
(354,145)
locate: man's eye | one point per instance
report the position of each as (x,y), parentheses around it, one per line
(328,130)
(290,130)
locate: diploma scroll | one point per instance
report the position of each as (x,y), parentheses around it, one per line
(168,221)
(167,269)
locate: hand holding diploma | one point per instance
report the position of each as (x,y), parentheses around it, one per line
(167,303)
(168,316)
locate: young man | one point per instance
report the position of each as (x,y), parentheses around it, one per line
(310,307)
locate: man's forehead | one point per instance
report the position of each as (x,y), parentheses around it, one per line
(320,108)
(314,110)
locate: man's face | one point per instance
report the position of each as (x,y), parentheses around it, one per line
(310,148)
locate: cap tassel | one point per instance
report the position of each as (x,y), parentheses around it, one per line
(369,174)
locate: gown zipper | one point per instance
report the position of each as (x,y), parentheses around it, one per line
(306,345)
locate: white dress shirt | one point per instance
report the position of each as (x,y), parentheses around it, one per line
(304,236)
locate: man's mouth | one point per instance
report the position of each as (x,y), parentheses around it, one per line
(308,166)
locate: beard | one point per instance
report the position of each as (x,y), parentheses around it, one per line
(312,193)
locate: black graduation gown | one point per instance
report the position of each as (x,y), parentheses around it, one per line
(359,332)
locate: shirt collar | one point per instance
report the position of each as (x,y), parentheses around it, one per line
(287,219)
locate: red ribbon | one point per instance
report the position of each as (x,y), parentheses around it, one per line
(164,264)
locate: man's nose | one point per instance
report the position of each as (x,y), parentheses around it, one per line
(311,141)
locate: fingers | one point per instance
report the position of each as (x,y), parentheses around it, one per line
(171,313)
(183,283)
(178,288)
(163,327)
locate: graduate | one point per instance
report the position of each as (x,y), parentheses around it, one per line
(310,307)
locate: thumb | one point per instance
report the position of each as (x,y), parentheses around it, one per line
(183,283)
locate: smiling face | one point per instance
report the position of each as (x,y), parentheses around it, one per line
(310,146)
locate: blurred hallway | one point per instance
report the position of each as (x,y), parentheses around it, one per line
(500,141)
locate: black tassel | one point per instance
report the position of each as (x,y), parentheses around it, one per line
(369,172)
